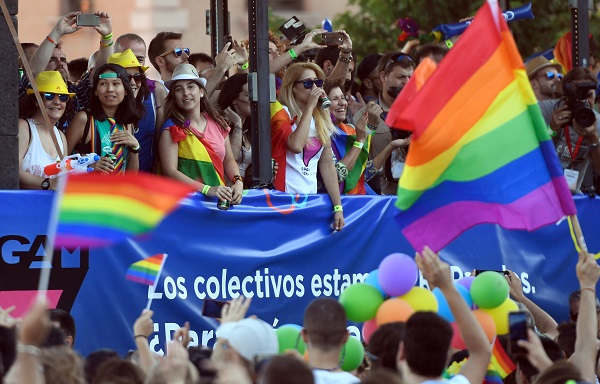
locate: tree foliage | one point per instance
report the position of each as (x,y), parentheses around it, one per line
(373,26)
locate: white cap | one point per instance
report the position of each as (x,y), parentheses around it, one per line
(185,71)
(250,337)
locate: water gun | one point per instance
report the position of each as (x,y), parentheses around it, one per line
(75,163)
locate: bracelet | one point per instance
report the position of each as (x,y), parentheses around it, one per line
(50,40)
(348,51)
(29,349)
(588,288)
(107,37)
(205,189)
(293,54)
(373,128)
(245,65)
(236,178)
(595,145)
(106,45)
(338,208)
(144,336)
(345,59)
(551,132)
(358,144)
(136,149)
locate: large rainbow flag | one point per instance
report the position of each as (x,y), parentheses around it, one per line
(146,271)
(341,143)
(96,210)
(480,152)
(281,129)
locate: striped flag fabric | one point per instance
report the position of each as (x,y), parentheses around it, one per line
(97,210)
(281,129)
(146,271)
(480,152)
(500,361)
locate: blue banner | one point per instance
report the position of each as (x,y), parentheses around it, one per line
(277,248)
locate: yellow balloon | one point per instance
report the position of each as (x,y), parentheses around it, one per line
(421,300)
(500,315)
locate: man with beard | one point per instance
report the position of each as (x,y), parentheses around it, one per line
(545,78)
(166,51)
(50,57)
(395,69)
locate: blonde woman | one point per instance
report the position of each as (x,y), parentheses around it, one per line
(306,130)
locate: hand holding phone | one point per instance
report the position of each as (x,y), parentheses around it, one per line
(212,308)
(332,38)
(87,20)
(517,324)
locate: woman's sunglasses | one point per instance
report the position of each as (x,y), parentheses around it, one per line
(51,96)
(177,51)
(308,83)
(138,77)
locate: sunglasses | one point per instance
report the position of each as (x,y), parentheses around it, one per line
(138,77)
(308,83)
(551,75)
(51,96)
(402,57)
(177,51)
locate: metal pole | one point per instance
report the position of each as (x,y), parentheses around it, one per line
(9,114)
(219,25)
(580,31)
(261,93)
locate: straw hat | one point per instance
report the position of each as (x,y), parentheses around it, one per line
(51,82)
(185,71)
(126,60)
(538,63)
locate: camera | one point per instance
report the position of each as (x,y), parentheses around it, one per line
(294,30)
(576,98)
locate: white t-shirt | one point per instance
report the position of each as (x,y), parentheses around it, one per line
(326,377)
(301,168)
(458,379)
(36,158)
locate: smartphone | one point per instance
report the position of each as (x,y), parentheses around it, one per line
(228,39)
(478,271)
(212,308)
(517,325)
(332,38)
(88,20)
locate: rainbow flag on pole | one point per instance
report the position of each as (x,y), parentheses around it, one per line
(480,151)
(146,271)
(96,210)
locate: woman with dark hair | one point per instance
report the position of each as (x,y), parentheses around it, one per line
(194,143)
(234,101)
(36,145)
(108,128)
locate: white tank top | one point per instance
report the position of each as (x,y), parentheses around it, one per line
(246,160)
(36,157)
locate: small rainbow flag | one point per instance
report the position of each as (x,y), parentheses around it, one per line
(146,271)
(480,151)
(501,361)
(96,210)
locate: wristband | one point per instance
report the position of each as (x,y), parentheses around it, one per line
(236,178)
(50,40)
(551,132)
(107,37)
(245,65)
(136,149)
(136,336)
(371,128)
(205,189)
(106,45)
(358,144)
(29,349)
(345,59)
(338,208)
(293,54)
(596,144)
(589,288)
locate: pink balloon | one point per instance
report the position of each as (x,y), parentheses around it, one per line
(369,327)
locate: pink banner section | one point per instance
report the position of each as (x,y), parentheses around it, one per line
(22,300)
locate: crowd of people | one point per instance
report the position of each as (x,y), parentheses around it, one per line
(328,135)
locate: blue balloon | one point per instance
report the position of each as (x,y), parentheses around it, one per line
(464,292)
(373,280)
(443,307)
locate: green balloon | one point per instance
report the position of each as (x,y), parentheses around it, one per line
(352,354)
(361,301)
(489,289)
(290,338)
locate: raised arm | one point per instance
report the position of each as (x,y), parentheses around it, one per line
(281,61)
(107,47)
(142,329)
(586,344)
(224,62)
(343,64)
(543,321)
(438,273)
(298,139)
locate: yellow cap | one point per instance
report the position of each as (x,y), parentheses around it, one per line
(51,82)
(126,60)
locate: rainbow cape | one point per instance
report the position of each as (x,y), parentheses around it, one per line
(341,143)
(480,152)
(146,271)
(281,129)
(96,210)
(196,157)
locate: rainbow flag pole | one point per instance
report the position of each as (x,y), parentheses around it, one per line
(147,271)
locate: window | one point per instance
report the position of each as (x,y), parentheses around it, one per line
(83,6)
(287,5)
